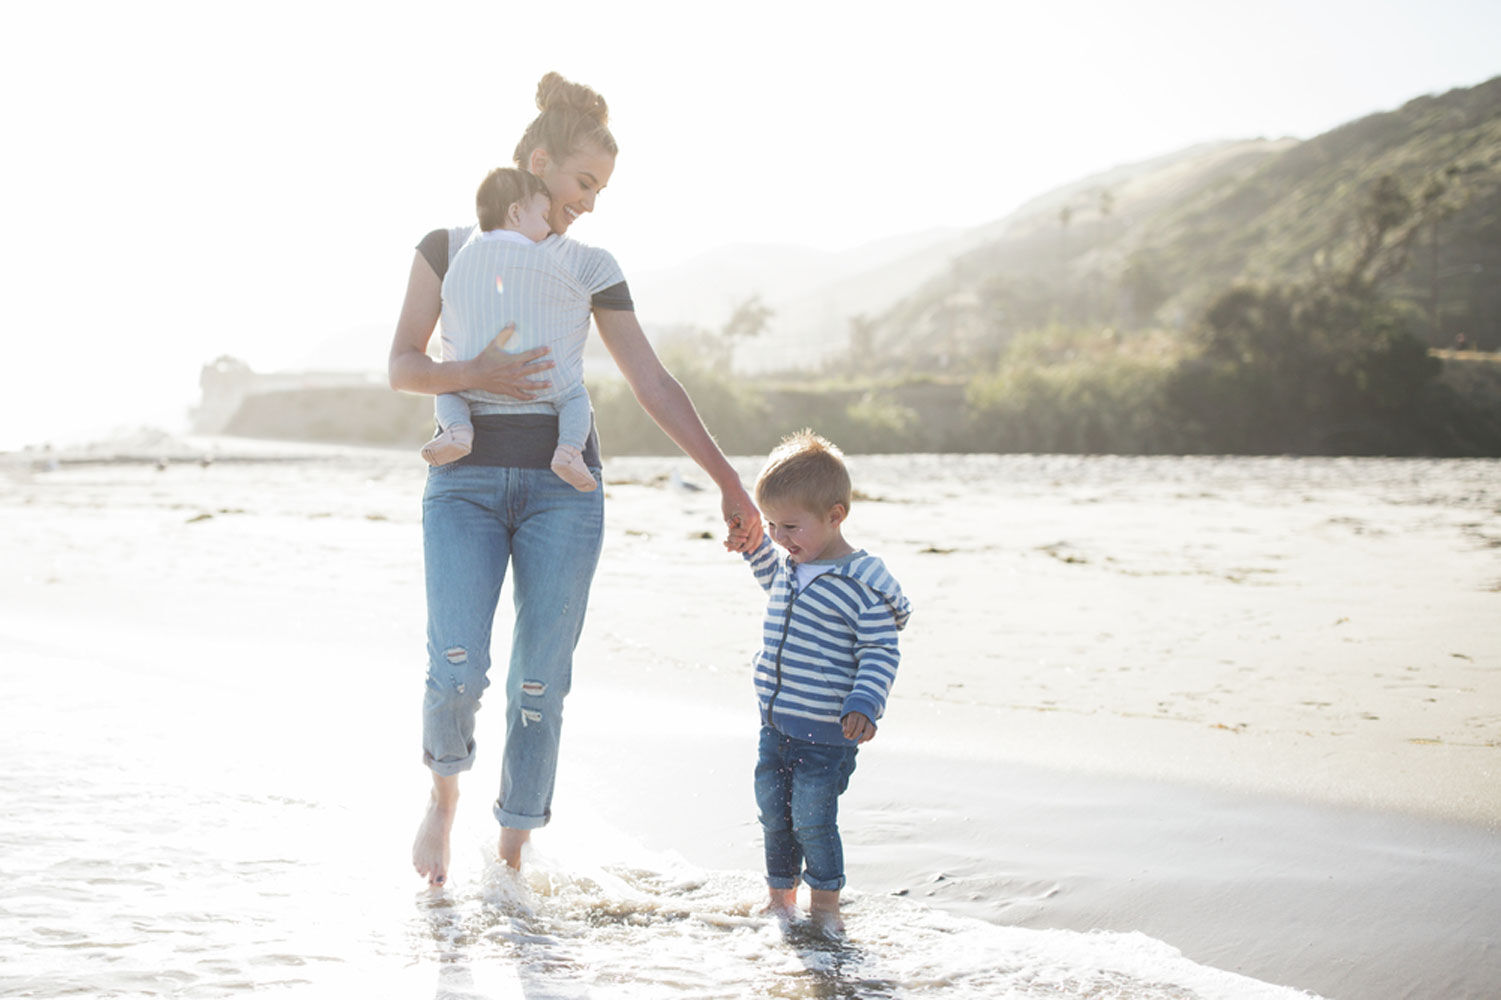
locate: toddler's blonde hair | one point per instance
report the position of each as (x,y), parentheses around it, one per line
(805,469)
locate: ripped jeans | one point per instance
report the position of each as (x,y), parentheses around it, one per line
(477,520)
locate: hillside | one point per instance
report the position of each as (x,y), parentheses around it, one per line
(1150,249)
(1331,296)
(817,298)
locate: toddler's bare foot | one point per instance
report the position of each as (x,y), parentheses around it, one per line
(782,904)
(824,913)
(568,463)
(449,445)
(430,849)
(829,925)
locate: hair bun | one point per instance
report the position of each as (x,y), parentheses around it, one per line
(554,93)
(573,117)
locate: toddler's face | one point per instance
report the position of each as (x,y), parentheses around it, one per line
(805,535)
(533,222)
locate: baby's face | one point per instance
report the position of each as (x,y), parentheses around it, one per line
(533,222)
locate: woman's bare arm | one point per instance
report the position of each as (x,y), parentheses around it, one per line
(493,370)
(664,399)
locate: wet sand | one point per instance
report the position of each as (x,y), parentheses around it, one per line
(1249,707)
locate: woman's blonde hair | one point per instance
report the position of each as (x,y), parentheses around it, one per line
(573,117)
(807,470)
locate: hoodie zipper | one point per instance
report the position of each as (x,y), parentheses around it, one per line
(771,704)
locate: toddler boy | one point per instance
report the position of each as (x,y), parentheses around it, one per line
(828,658)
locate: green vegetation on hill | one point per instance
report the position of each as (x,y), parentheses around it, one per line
(1254,297)
(1258,297)
(1155,249)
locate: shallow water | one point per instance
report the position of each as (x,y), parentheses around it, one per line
(200,800)
(235,893)
(127,877)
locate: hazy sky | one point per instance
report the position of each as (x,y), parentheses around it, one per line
(187,180)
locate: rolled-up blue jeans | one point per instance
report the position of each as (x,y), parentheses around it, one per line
(798,785)
(478,520)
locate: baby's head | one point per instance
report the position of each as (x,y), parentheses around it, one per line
(513,199)
(804,493)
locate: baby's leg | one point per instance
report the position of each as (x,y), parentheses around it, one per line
(449,445)
(568,463)
(574,416)
(455,433)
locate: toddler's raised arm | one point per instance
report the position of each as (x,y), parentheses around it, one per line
(763,562)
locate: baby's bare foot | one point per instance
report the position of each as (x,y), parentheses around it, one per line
(430,849)
(568,463)
(449,445)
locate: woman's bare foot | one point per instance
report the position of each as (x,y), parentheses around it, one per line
(449,445)
(430,849)
(511,843)
(568,464)
(824,913)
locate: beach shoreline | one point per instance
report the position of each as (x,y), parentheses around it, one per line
(1250,708)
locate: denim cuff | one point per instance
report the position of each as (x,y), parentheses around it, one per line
(447,768)
(780,882)
(830,885)
(516,821)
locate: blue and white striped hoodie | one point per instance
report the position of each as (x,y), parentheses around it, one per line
(829,649)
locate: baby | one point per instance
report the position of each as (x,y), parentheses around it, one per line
(497,279)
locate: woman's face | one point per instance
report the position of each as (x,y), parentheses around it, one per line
(573,182)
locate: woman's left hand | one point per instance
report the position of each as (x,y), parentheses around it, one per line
(742,519)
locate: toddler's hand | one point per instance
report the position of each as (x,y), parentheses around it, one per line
(738,534)
(858,727)
(741,519)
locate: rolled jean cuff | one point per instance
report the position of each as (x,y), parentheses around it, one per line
(516,821)
(447,768)
(824,885)
(780,882)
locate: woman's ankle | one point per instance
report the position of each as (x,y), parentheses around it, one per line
(511,843)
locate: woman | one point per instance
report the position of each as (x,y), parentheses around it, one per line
(501,505)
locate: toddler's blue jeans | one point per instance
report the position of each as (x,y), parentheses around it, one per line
(476,521)
(798,785)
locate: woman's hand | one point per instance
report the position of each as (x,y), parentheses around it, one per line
(412,370)
(741,518)
(498,371)
(493,370)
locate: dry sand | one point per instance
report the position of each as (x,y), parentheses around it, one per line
(1249,707)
